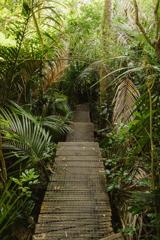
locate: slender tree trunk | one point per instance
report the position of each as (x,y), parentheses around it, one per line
(106,27)
(3,173)
(106,24)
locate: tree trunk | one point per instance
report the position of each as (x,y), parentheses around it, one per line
(106,26)
(3,173)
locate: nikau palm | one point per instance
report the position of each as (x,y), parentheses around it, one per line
(23,138)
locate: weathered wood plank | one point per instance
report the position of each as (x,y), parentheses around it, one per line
(94,144)
(66,236)
(57,226)
(73,216)
(83,230)
(69,209)
(116,236)
(93,148)
(76,153)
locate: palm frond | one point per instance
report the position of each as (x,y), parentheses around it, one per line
(125,102)
(87,73)
(93,67)
(58,124)
(24,138)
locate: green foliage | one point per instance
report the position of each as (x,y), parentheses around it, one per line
(31,34)
(24,139)
(27,143)
(51,103)
(84,26)
(26,180)
(27,40)
(15,199)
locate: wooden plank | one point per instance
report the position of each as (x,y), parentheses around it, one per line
(76,153)
(73,199)
(65,235)
(77,147)
(88,171)
(70,210)
(82,116)
(60,226)
(80,165)
(116,236)
(79,230)
(70,205)
(71,194)
(78,158)
(63,218)
(94,144)
(72,216)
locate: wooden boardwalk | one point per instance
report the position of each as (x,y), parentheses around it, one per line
(76,206)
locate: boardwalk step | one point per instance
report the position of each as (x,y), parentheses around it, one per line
(80,172)
(65,236)
(82,116)
(82,107)
(56,226)
(75,232)
(77,153)
(76,147)
(67,204)
(93,164)
(70,209)
(71,194)
(82,143)
(79,158)
(73,216)
(116,236)
(81,132)
(79,186)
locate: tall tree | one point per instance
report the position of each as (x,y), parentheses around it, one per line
(106,27)
(106,24)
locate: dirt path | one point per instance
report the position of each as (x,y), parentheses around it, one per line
(75,205)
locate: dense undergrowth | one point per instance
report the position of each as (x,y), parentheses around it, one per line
(34,115)
(56,54)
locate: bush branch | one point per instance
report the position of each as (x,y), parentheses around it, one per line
(141,28)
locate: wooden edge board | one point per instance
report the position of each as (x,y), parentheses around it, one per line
(116,236)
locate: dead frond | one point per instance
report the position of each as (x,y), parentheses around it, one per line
(125,102)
